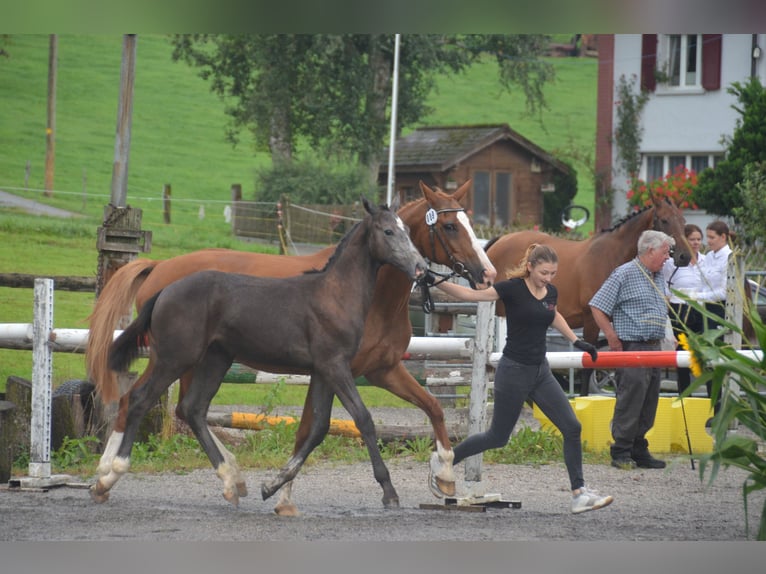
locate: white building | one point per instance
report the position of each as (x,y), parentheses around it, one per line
(689,109)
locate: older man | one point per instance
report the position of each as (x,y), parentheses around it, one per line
(631,311)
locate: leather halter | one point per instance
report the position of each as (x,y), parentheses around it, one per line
(458,267)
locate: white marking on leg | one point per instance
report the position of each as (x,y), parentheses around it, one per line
(231,460)
(120,465)
(110,451)
(228,475)
(445,470)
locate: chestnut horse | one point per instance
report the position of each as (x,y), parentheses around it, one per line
(446,239)
(204,322)
(585,265)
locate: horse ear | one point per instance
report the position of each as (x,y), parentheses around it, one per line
(394,203)
(461,195)
(367,206)
(428,193)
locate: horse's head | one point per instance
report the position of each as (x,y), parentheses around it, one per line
(669,219)
(440,229)
(390,242)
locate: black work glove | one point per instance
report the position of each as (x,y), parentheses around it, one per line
(587,347)
(429,278)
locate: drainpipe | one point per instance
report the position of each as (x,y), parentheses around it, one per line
(755,55)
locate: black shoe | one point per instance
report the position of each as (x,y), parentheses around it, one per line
(624,463)
(648,461)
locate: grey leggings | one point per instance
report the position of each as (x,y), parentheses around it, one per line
(514,383)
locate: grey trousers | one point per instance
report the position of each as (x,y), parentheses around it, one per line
(638,394)
(514,384)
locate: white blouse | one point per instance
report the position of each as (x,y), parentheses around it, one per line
(688,279)
(715,270)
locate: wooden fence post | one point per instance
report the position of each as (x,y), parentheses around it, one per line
(236,197)
(166,202)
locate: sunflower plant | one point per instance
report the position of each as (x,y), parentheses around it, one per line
(739,383)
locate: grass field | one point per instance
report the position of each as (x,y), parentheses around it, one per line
(177,138)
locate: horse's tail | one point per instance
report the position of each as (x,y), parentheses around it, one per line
(126,347)
(113,304)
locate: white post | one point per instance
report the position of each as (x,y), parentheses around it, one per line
(394,106)
(477,410)
(42,373)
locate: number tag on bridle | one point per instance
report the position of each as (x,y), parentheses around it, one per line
(431,216)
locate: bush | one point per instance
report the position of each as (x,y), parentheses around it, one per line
(310,181)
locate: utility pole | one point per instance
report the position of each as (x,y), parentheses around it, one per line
(120,237)
(50,130)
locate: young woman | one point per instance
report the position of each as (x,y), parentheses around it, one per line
(715,270)
(523,371)
(688,280)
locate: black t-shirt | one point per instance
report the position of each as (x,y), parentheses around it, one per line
(527,320)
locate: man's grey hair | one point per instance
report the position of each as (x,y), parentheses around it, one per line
(651,239)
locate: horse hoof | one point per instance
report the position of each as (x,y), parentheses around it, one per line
(391,503)
(267,491)
(232,497)
(446,487)
(98,497)
(286,510)
(242,489)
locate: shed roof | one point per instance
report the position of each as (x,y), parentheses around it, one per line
(442,147)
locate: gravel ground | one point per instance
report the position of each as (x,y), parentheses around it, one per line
(343,503)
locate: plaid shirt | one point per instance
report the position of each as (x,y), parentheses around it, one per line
(633,297)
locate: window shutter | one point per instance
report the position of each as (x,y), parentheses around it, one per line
(711,61)
(648,62)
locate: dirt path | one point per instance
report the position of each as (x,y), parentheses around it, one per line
(343,503)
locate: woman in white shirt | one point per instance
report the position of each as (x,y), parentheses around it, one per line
(689,280)
(715,270)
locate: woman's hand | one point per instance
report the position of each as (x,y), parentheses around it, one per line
(587,347)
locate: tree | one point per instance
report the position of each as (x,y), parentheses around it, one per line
(717,189)
(333,91)
(554,203)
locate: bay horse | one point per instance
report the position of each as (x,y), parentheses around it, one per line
(585,264)
(315,321)
(440,230)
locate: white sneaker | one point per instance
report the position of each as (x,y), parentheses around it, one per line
(589,500)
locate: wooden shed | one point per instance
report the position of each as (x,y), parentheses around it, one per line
(509,173)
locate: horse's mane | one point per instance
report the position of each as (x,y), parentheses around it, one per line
(491,242)
(627,218)
(342,245)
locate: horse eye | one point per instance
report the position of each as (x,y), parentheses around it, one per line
(450,227)
(389,232)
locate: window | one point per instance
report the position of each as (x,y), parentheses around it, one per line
(492,198)
(684,60)
(656,166)
(688,63)
(481,202)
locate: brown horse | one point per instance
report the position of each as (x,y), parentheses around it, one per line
(449,240)
(584,265)
(314,321)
